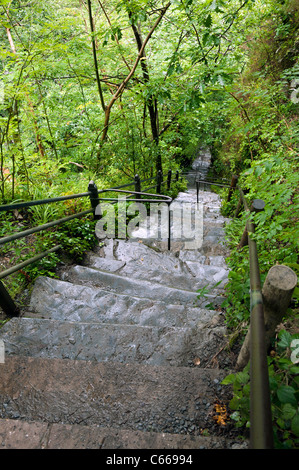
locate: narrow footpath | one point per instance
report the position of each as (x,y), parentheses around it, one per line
(122,351)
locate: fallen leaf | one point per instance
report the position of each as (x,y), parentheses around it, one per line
(221,416)
(196,361)
(17,214)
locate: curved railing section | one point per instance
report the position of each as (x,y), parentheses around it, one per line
(6,302)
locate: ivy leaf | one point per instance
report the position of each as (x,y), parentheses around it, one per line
(286,394)
(284,339)
(229,379)
(288,411)
(295,424)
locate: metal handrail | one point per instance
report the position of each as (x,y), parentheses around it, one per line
(6,302)
(261,429)
(40,228)
(38,202)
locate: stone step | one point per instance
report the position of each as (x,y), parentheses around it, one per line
(100,342)
(60,300)
(119,252)
(17,434)
(159,267)
(161,245)
(139,287)
(108,395)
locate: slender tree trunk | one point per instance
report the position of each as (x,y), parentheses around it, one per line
(151,103)
(94,51)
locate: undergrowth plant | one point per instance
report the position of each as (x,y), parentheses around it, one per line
(283,365)
(275,180)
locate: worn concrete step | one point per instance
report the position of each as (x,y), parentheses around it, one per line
(201,259)
(17,434)
(140,287)
(160,268)
(124,343)
(124,396)
(116,253)
(207,233)
(124,251)
(59,300)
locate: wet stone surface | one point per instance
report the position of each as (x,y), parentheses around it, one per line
(122,351)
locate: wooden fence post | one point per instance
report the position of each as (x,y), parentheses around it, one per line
(238,208)
(232,187)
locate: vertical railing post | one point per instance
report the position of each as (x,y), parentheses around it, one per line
(94,198)
(137,184)
(7,304)
(169,227)
(159,181)
(169,179)
(232,187)
(177,175)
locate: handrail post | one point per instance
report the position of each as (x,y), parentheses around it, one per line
(232,187)
(169,226)
(257,206)
(94,198)
(169,179)
(7,303)
(159,181)
(137,184)
(197,190)
(177,175)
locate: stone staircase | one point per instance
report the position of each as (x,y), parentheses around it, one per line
(118,352)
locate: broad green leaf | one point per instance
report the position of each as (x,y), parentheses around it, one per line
(286,394)
(295,424)
(288,411)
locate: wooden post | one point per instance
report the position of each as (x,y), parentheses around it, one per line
(277,293)
(232,187)
(238,208)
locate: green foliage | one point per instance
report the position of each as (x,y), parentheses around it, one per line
(76,237)
(274,180)
(284,388)
(240,403)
